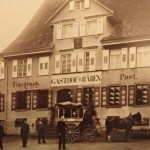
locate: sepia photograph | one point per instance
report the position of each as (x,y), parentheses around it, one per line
(75,74)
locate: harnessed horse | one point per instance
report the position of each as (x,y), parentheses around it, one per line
(122,123)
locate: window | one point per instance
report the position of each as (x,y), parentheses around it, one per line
(79,5)
(141,94)
(67,31)
(66,63)
(87,61)
(43,99)
(44,65)
(19,121)
(143,56)
(21,100)
(91,96)
(22,68)
(114,96)
(77,43)
(91,27)
(115,59)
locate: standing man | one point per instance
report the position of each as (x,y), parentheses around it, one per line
(24,133)
(1,136)
(41,132)
(61,130)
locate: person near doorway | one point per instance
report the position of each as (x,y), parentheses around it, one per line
(41,132)
(1,135)
(24,131)
(61,130)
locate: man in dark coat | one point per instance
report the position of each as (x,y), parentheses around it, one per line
(61,130)
(41,132)
(1,136)
(24,133)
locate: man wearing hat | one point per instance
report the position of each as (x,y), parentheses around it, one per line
(61,130)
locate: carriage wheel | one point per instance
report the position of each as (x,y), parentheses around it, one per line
(88,135)
(72,133)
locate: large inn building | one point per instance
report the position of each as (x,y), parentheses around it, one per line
(78,51)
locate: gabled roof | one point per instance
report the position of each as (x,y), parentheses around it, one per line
(135,22)
(37,36)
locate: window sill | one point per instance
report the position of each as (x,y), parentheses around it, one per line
(42,109)
(20,110)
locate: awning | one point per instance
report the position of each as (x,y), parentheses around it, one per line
(69,104)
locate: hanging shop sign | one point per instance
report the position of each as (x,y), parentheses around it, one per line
(26,85)
(76,79)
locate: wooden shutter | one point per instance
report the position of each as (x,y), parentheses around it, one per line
(28,98)
(13,101)
(123,95)
(92,66)
(132,57)
(96,96)
(131,95)
(80,61)
(82,28)
(59,32)
(100,26)
(73,62)
(29,66)
(2,102)
(124,57)
(35,100)
(79,95)
(50,99)
(71,5)
(57,64)
(104,93)
(105,60)
(14,68)
(87,3)
(2,71)
(75,29)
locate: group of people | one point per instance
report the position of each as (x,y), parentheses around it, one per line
(61,131)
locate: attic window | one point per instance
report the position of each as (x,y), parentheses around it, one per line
(78,5)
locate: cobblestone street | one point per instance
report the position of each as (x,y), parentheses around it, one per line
(14,143)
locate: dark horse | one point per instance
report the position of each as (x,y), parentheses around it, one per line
(122,123)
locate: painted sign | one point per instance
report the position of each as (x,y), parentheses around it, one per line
(25,85)
(76,79)
(127,76)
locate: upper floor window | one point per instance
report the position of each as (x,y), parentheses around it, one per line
(143,56)
(67,31)
(75,62)
(2,67)
(86,28)
(22,67)
(79,4)
(44,65)
(91,27)
(66,63)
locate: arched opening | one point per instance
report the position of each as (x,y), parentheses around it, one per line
(64,95)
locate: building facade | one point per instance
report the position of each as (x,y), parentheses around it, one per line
(76,51)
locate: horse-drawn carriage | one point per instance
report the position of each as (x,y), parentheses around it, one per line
(84,129)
